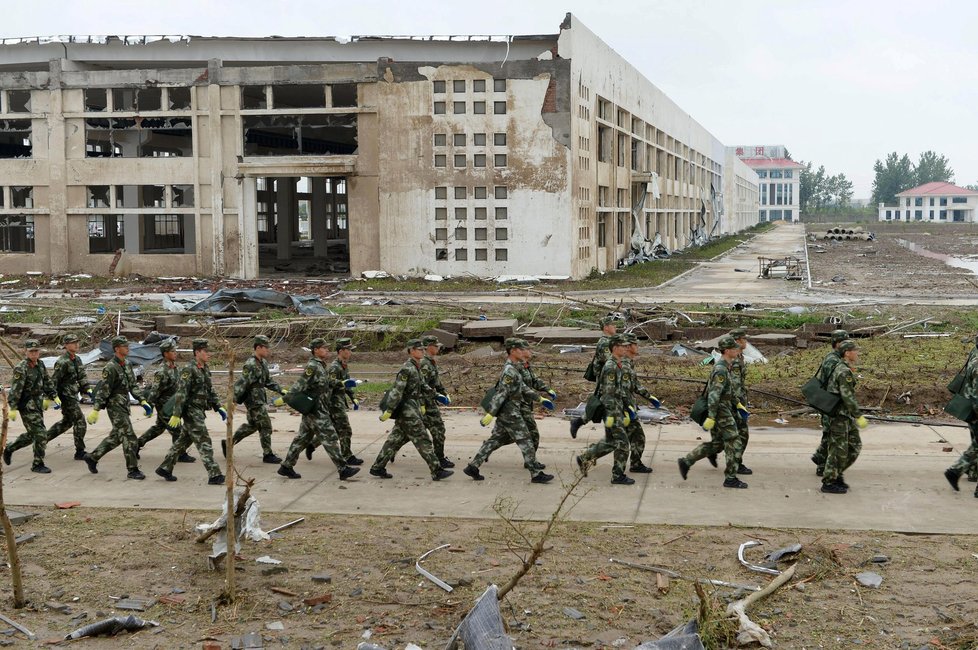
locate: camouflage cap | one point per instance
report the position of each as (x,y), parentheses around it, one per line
(738,333)
(514,342)
(344,344)
(168,345)
(70,338)
(726,343)
(839,335)
(431,340)
(318,342)
(120,342)
(609,320)
(32,344)
(261,340)
(617,339)
(199,344)
(847,345)
(629,338)
(414,343)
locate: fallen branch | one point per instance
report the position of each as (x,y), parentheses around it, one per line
(679,576)
(750,631)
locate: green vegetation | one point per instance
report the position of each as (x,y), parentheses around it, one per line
(721,245)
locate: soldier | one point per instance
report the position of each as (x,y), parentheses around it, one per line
(158,394)
(31,393)
(506,404)
(722,404)
(537,384)
(635,432)
(316,427)
(843,444)
(406,399)
(738,379)
(118,382)
(609,327)
(69,380)
(969,459)
(338,402)
(432,416)
(831,360)
(255,379)
(195,392)
(614,399)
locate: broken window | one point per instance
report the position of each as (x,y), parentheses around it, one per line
(299,96)
(178,99)
(461,255)
(149,99)
(123,99)
(127,196)
(22,197)
(162,233)
(105,233)
(253,97)
(16,233)
(441,254)
(18,101)
(300,135)
(152,196)
(182,196)
(344,95)
(15,139)
(95,100)
(139,137)
(98,196)
(481,255)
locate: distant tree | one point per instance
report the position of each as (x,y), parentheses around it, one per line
(973,187)
(933,167)
(818,190)
(893,175)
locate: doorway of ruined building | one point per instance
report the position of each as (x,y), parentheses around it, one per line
(303,226)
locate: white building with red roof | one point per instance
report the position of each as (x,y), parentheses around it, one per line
(779,178)
(936,201)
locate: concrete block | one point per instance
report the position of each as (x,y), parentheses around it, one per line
(161,323)
(452,325)
(18,517)
(447,339)
(561,335)
(773,338)
(489,329)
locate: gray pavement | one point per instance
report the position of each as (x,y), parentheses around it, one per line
(897,484)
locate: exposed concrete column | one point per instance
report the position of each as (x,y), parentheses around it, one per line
(57,186)
(287,209)
(217,169)
(248,227)
(317,218)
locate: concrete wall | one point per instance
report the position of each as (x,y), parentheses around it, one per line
(740,195)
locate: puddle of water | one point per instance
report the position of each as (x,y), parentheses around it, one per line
(968,263)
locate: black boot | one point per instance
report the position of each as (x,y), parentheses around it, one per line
(441,474)
(309,451)
(841,481)
(217,479)
(271,459)
(91,462)
(41,469)
(952,475)
(224,448)
(473,472)
(187,458)
(288,472)
(734,483)
(347,472)
(444,462)
(80,454)
(623,479)
(136,475)
(713,459)
(683,468)
(833,488)
(641,468)
(542,478)
(353,460)
(168,475)
(575,424)
(743,469)
(8,455)
(380,472)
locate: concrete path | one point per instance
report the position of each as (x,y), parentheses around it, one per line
(897,483)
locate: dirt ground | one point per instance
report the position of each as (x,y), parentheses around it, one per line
(85,557)
(885,266)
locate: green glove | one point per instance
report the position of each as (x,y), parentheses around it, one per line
(609,422)
(174,422)
(279,402)
(709,423)
(862,422)
(147,409)
(13,414)
(45,403)
(356,403)
(57,401)
(423,410)
(654,401)
(626,420)
(547,403)
(93,416)
(385,416)
(486,419)
(742,412)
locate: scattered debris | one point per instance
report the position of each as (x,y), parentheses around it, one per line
(372,275)
(575,614)
(135,603)
(483,626)
(110,627)
(417,565)
(274,625)
(749,631)
(246,524)
(776,556)
(684,637)
(869,579)
(265,559)
(680,350)
(250,641)
(67,504)
(253,300)
(20,628)
(679,576)
(288,525)
(788,268)
(754,567)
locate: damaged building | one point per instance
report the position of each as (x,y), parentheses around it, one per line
(528,155)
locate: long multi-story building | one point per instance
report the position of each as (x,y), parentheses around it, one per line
(537,155)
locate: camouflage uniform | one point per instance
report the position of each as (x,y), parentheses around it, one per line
(601,353)
(738,381)
(195,393)
(30,385)
(722,404)
(257,379)
(164,386)
(316,427)
(969,459)
(337,404)
(831,360)
(507,406)
(844,444)
(432,414)
(69,380)
(112,394)
(409,392)
(634,430)
(614,398)
(537,384)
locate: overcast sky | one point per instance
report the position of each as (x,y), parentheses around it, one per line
(840,83)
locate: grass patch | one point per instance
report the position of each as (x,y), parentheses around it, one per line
(721,245)
(649,274)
